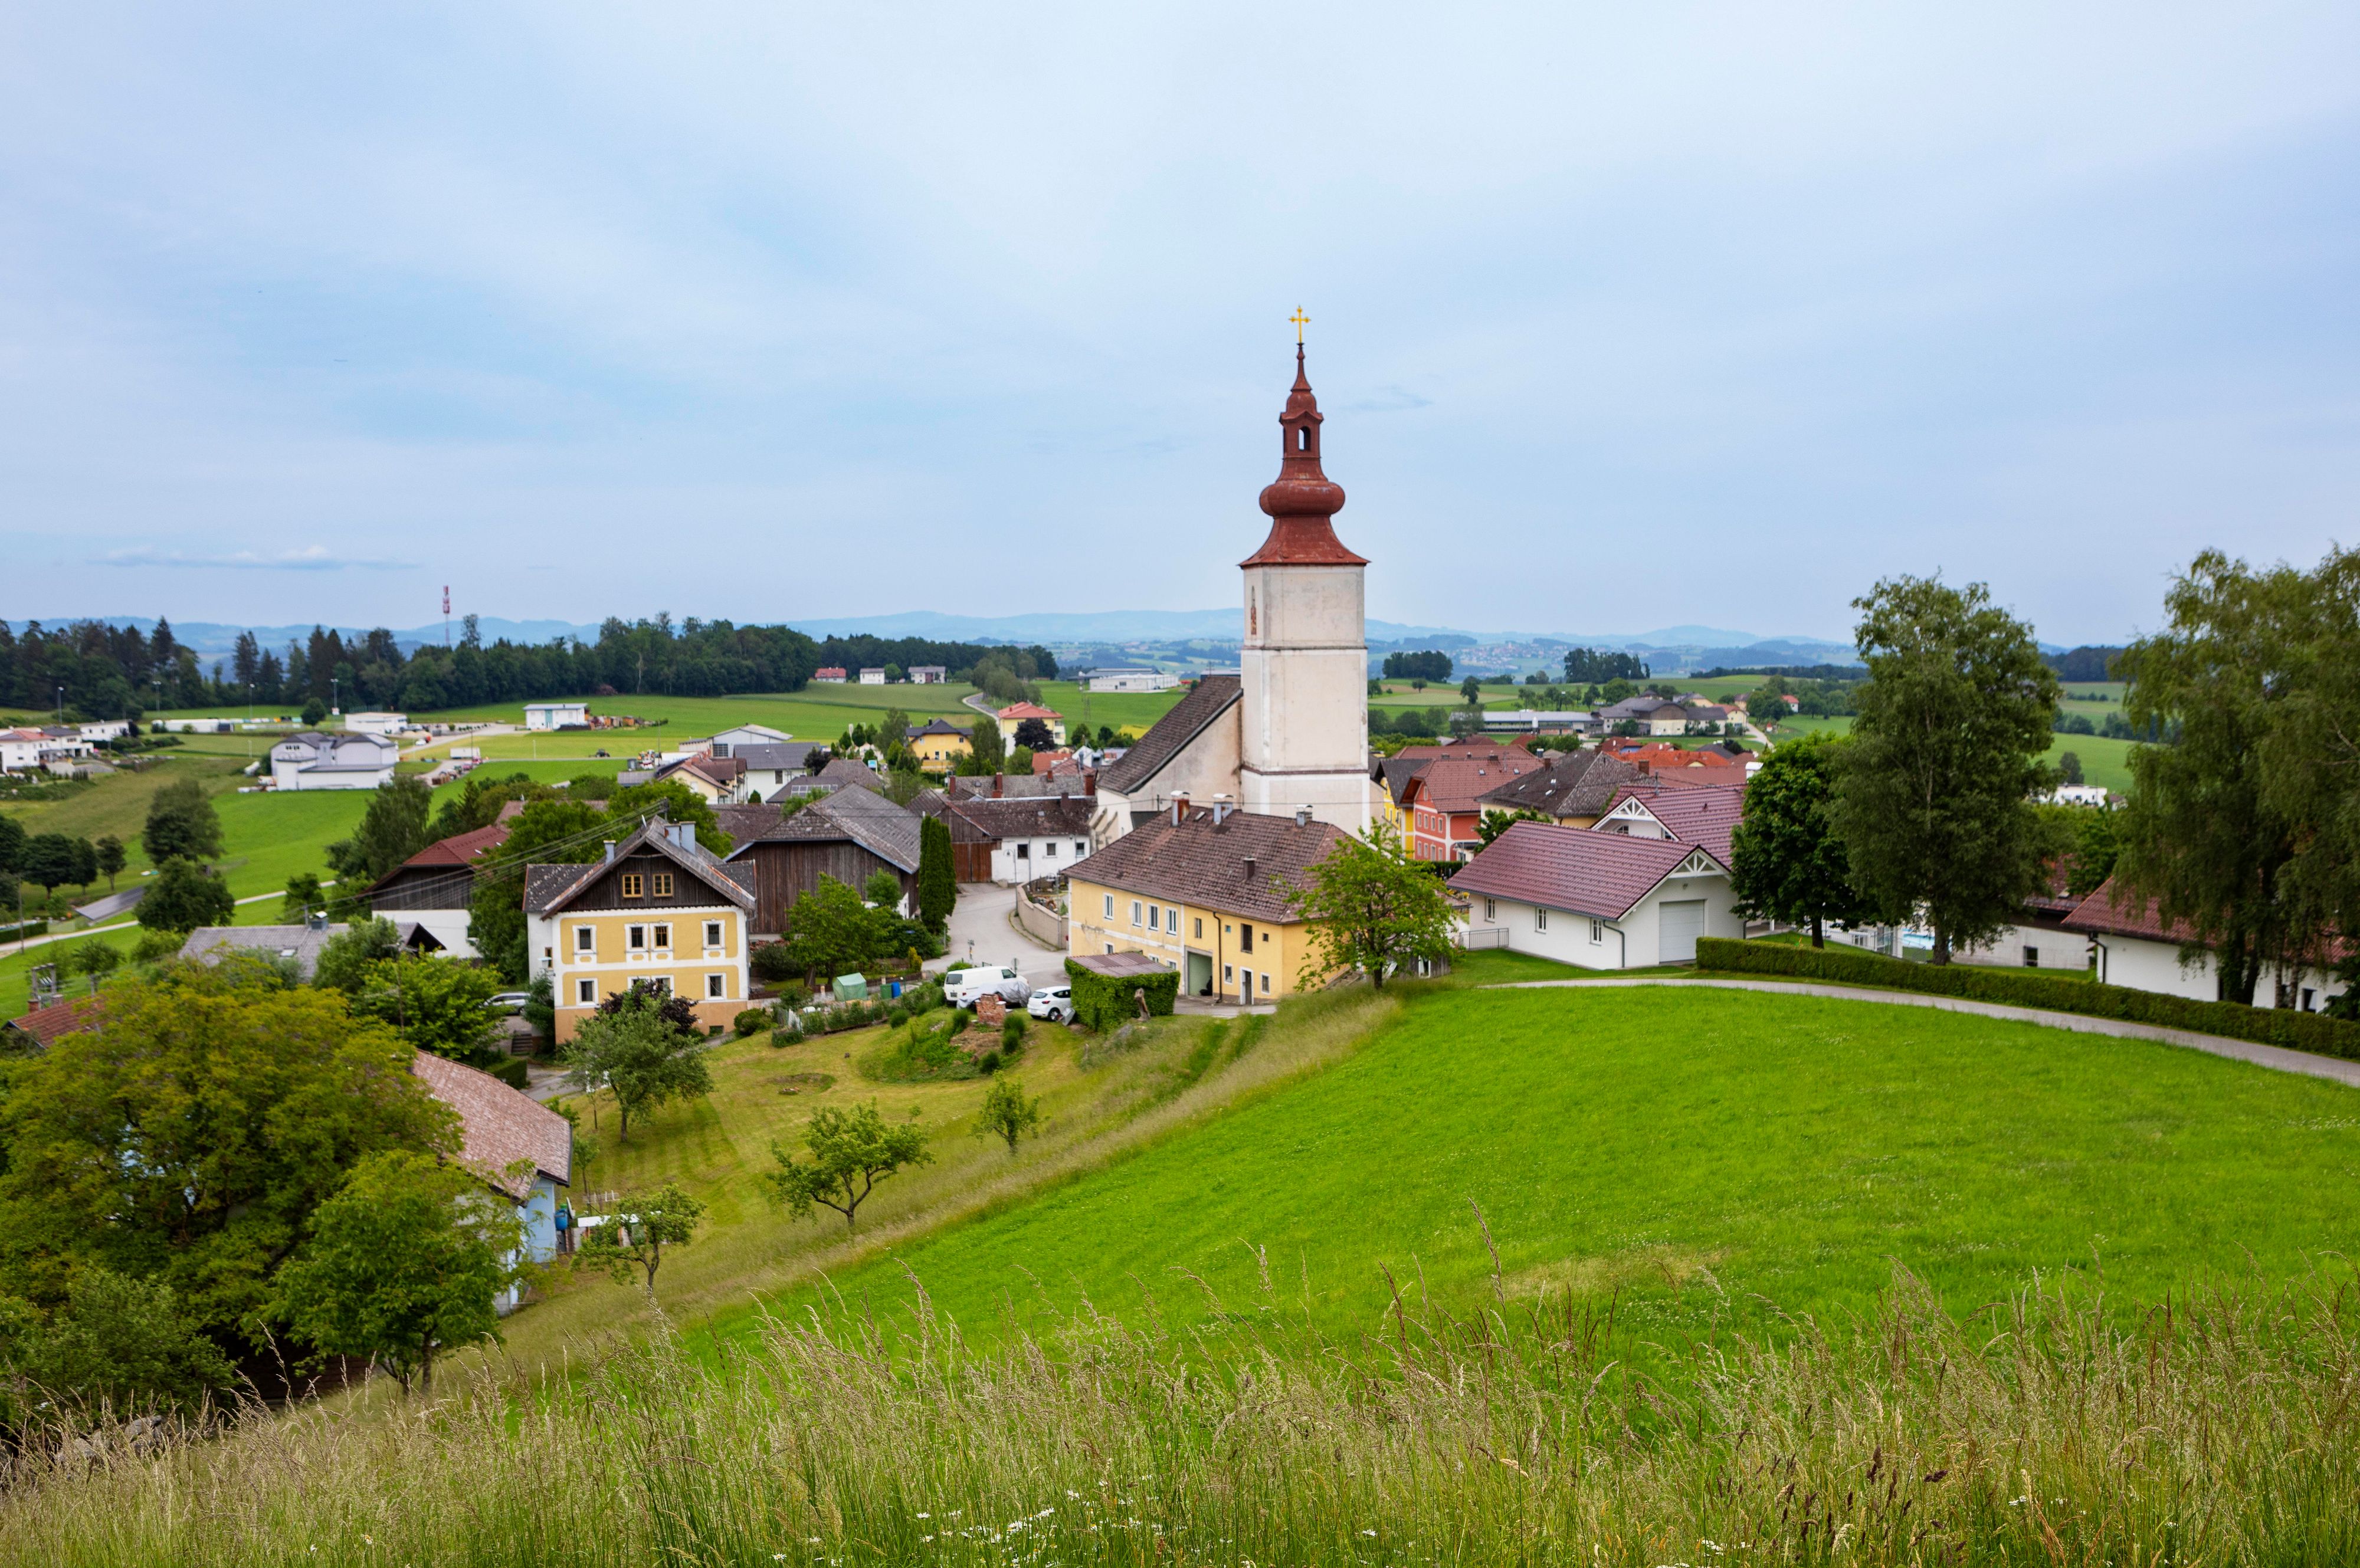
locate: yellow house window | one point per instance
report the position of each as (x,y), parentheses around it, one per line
(713,933)
(663,938)
(663,883)
(635,938)
(634,885)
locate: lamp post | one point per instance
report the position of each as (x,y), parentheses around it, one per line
(336,696)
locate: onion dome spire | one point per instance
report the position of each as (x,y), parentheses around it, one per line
(1302,499)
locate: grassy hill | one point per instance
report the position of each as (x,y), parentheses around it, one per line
(1703,1153)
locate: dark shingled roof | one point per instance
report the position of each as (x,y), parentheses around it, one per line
(1579,784)
(547,887)
(1574,869)
(1169,734)
(1014,785)
(856,816)
(1061,816)
(750,821)
(1691,813)
(1203,862)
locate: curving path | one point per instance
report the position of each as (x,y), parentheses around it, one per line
(2277,1057)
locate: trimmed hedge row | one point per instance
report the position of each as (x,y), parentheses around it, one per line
(2023,988)
(1103,1004)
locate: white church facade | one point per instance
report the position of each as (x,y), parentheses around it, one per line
(1289,732)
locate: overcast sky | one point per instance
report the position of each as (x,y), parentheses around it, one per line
(1622,316)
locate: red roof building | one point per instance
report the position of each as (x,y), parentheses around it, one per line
(1444,801)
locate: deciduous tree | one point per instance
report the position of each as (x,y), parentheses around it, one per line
(1006,1111)
(1369,906)
(1791,864)
(185,896)
(637,1047)
(391,830)
(1935,799)
(405,1264)
(347,958)
(634,1237)
(109,849)
(435,1004)
(183,823)
(126,1342)
(851,1152)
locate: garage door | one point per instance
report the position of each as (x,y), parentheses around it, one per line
(1682,923)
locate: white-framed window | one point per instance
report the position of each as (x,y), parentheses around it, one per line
(585,939)
(1265,985)
(1134,911)
(1229,973)
(1491,909)
(660,984)
(1171,919)
(636,938)
(1597,933)
(1024,851)
(663,938)
(1154,915)
(1540,920)
(586,992)
(1109,947)
(713,933)
(1199,924)
(1081,847)
(1049,850)
(716,986)
(1109,912)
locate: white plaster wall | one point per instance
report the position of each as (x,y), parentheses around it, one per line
(2064,950)
(1207,766)
(1008,866)
(2146,965)
(1631,942)
(1303,733)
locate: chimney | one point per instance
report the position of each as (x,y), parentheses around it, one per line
(998,785)
(685,835)
(1250,867)
(610,850)
(1645,766)
(1179,807)
(1222,806)
(316,919)
(1089,781)
(1303,816)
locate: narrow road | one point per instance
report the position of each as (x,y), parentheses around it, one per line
(2276,1058)
(118,925)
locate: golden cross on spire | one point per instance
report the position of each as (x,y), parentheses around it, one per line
(1300,320)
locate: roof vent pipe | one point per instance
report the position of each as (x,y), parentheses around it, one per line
(1303,816)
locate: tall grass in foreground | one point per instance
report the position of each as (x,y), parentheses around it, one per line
(2034,1431)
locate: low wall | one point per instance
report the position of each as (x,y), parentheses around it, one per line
(1043,925)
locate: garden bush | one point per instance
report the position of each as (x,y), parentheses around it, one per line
(1102,1004)
(2026,989)
(752,1020)
(511,1070)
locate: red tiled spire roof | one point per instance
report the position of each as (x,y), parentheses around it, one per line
(1303,499)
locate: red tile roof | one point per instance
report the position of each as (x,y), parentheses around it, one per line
(1456,784)
(507,1138)
(1693,812)
(1660,757)
(1028,711)
(1577,869)
(2114,912)
(460,849)
(45,1025)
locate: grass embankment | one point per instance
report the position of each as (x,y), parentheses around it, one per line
(1704,1153)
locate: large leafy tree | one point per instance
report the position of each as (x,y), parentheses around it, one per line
(185,896)
(435,1004)
(1790,864)
(191,1140)
(645,1049)
(392,831)
(545,833)
(851,1152)
(130,1344)
(831,930)
(348,958)
(634,1237)
(1935,798)
(49,861)
(1370,906)
(181,822)
(109,850)
(405,1265)
(2242,825)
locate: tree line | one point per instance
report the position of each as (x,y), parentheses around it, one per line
(99,671)
(2243,821)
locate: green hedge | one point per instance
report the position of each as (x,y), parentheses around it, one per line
(2028,988)
(511,1070)
(1103,1004)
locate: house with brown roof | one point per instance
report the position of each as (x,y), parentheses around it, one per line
(1191,751)
(1652,808)
(1574,790)
(435,887)
(1596,900)
(1017,838)
(848,834)
(1202,891)
(1445,800)
(518,1147)
(656,910)
(41,1026)
(1013,716)
(2135,946)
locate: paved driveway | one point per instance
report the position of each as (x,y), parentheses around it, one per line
(984,930)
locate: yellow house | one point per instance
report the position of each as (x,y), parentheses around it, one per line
(1015,714)
(1203,892)
(939,744)
(655,909)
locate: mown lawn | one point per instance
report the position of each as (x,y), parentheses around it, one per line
(1697,1153)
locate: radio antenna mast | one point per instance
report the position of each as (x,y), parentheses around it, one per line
(446,616)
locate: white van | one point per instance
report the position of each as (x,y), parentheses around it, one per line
(962,987)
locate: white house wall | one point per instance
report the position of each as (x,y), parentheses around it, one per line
(2059,949)
(2148,966)
(1631,942)
(1053,856)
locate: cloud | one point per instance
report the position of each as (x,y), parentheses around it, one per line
(1389,400)
(312,558)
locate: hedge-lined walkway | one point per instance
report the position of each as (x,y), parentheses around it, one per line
(2271,1056)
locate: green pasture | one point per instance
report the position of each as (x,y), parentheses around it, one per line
(1690,1154)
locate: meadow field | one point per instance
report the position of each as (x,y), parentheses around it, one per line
(1447,1275)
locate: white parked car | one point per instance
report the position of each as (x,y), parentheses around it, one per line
(962,987)
(1054,1003)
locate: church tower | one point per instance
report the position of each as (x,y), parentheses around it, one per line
(1304,730)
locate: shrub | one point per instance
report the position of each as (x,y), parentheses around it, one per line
(987,1063)
(1011,1034)
(1101,1004)
(2026,989)
(752,1020)
(511,1070)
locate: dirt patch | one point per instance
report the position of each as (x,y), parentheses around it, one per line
(804,1082)
(1659,1266)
